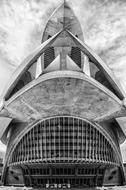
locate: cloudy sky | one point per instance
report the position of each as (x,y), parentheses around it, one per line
(103,23)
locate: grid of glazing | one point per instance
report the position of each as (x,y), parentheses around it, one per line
(63,139)
(74,176)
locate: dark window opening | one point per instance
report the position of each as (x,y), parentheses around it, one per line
(76,55)
(49,55)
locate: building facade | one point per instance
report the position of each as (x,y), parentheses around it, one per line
(59,114)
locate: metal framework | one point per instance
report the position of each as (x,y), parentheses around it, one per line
(64,176)
(63,139)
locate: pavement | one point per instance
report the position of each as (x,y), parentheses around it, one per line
(31,188)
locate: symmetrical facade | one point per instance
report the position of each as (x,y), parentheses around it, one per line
(59,114)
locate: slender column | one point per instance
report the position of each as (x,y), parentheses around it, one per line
(109,153)
(25,149)
(64,137)
(89,142)
(82,136)
(54,143)
(59,137)
(96,178)
(63,59)
(78,139)
(34,142)
(96,144)
(101,147)
(31,150)
(105,150)
(68,125)
(41,141)
(99,155)
(95,155)
(29,174)
(86,141)
(19,152)
(27,144)
(73,138)
(45,140)
(22,149)
(37,136)
(86,66)
(49,139)
(93,142)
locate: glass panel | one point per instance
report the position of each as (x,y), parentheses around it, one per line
(63,139)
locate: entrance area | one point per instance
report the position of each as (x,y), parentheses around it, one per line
(64,177)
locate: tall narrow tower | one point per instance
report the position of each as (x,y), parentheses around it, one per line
(59,116)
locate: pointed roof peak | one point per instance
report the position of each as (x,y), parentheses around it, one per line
(63,18)
(65,2)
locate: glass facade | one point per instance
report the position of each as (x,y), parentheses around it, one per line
(70,176)
(63,139)
(63,152)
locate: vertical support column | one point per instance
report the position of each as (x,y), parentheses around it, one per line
(86,66)
(29,174)
(22,149)
(99,156)
(101,147)
(41,141)
(96,144)
(19,152)
(82,136)
(37,136)
(90,142)
(63,59)
(64,138)
(86,135)
(59,137)
(27,147)
(78,140)
(105,148)
(93,147)
(68,126)
(54,143)
(49,139)
(45,140)
(34,142)
(73,138)
(30,143)
(96,178)
(107,152)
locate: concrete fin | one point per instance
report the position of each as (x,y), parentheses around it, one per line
(110,78)
(71,65)
(38,68)
(55,65)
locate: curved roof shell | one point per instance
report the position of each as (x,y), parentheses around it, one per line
(62,87)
